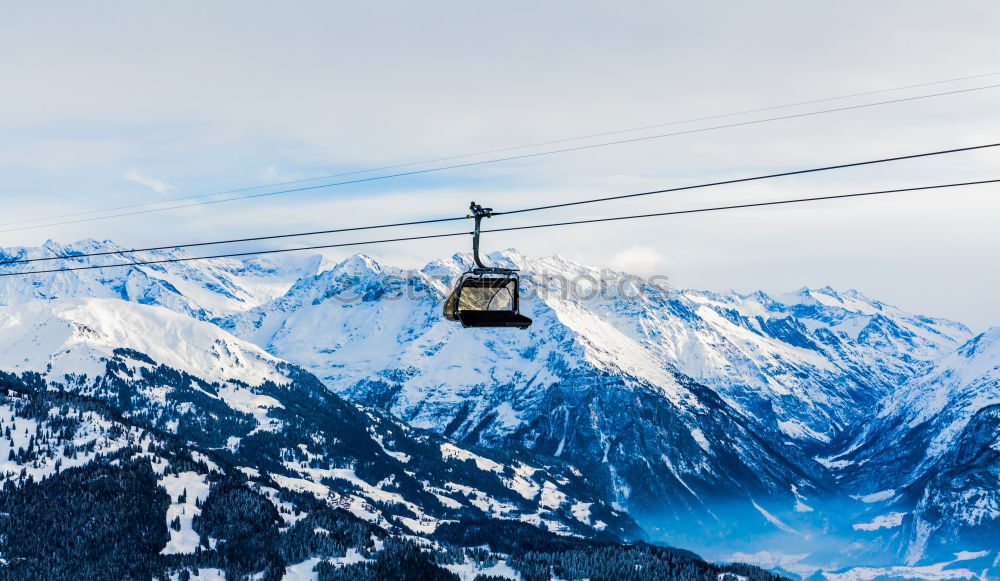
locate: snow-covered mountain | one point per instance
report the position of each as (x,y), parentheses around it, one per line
(743,422)
(931,456)
(668,397)
(204,289)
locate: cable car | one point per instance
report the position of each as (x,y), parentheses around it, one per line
(485,296)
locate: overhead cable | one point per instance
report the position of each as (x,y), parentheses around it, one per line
(502,159)
(508,229)
(749,179)
(230,241)
(520,211)
(745,205)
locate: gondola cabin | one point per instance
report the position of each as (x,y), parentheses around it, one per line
(486,299)
(485,296)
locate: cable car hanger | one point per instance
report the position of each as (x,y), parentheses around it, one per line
(485,296)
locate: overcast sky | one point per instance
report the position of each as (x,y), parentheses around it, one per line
(108,104)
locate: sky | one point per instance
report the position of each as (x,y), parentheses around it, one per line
(111,104)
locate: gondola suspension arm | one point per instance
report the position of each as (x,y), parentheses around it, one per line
(478,213)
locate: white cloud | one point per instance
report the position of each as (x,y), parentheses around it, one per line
(638,260)
(270,175)
(157,186)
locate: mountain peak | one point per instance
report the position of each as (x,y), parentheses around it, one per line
(507,258)
(80,246)
(986,344)
(358,264)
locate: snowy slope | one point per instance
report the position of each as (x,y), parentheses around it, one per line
(73,337)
